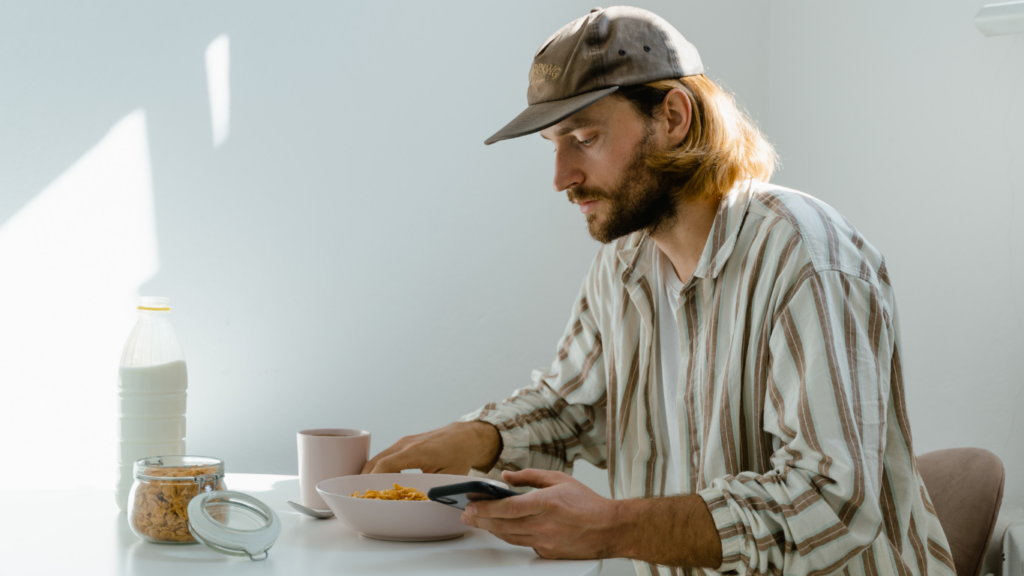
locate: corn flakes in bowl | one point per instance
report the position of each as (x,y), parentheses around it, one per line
(389,506)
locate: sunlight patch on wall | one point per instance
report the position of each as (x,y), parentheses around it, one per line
(71,262)
(218,80)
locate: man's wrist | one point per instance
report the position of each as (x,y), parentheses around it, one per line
(489,439)
(624,534)
(677,531)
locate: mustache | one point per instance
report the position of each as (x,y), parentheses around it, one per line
(581,194)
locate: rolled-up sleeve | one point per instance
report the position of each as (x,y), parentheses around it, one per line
(561,416)
(831,352)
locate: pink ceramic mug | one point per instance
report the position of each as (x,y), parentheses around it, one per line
(328,453)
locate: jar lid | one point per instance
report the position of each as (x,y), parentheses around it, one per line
(233,523)
(178,468)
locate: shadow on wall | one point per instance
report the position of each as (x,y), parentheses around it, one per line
(73,260)
(335,191)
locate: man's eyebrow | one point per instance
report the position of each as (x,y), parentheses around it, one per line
(574,124)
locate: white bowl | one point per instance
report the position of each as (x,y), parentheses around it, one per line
(403,521)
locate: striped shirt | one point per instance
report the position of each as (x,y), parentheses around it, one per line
(791,404)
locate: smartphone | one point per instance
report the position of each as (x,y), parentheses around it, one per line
(458,495)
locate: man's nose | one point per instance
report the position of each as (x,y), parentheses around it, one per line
(567,174)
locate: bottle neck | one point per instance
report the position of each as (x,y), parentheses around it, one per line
(154,314)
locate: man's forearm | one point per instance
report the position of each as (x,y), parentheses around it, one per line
(673,531)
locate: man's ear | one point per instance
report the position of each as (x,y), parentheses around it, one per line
(677,113)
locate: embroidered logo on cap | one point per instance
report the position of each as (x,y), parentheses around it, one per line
(542,72)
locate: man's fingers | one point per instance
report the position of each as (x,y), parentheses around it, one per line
(535,478)
(403,460)
(515,532)
(511,507)
(370,464)
(370,467)
(526,504)
(497,526)
(519,540)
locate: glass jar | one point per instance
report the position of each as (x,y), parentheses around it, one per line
(163,487)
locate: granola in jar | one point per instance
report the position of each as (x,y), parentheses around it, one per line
(163,488)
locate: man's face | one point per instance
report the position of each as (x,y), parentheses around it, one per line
(601,162)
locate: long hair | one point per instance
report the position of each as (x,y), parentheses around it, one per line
(722,146)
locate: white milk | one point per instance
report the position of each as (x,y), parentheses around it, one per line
(151,419)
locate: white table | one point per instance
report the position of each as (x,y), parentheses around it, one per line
(80,531)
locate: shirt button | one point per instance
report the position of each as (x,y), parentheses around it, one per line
(696,459)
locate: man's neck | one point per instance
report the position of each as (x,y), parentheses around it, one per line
(684,242)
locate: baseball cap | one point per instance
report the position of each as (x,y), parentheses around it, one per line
(591,57)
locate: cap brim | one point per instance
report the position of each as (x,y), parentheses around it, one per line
(537,117)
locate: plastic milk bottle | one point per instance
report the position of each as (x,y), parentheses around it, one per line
(152,383)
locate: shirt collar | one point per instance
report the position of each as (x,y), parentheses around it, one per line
(639,251)
(637,256)
(725,230)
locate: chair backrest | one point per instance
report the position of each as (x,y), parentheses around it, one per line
(966,488)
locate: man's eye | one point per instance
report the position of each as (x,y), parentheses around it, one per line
(586,142)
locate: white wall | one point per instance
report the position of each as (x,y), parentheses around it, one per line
(352,255)
(910,122)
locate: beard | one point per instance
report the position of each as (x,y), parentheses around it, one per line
(643,198)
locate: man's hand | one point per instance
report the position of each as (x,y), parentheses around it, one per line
(563,520)
(453,449)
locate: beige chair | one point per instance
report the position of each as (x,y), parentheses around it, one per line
(966,487)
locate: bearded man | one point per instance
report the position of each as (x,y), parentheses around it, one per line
(733,357)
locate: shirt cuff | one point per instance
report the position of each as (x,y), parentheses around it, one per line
(514,456)
(730,529)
